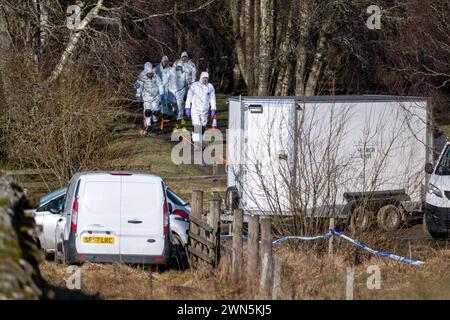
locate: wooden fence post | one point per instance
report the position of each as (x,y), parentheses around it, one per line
(266,254)
(196,211)
(252,247)
(330,241)
(276,289)
(237,257)
(349,287)
(214,222)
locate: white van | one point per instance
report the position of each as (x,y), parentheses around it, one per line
(437,206)
(116,217)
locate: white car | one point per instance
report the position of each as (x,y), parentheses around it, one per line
(179,217)
(51,222)
(48,217)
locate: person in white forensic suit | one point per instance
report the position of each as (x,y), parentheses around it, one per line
(184,74)
(149,88)
(201,96)
(165,72)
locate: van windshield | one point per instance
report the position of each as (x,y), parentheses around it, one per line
(443,168)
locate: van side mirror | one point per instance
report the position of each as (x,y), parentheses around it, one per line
(429,168)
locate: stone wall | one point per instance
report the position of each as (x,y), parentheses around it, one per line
(20,277)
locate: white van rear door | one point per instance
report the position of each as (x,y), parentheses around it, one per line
(98,227)
(142,223)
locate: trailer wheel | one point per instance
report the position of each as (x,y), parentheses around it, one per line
(360,219)
(389,217)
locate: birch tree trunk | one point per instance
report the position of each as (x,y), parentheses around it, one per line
(249,36)
(316,67)
(256,41)
(242,12)
(41,36)
(73,41)
(285,69)
(237,76)
(301,50)
(266,46)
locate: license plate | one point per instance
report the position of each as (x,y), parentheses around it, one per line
(99,240)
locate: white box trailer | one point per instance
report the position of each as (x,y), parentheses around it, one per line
(328,155)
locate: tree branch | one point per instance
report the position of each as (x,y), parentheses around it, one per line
(157,15)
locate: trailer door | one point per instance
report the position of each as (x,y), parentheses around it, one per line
(268,137)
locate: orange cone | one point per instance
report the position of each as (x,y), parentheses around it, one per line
(214,123)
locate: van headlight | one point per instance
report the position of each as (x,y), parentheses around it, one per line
(435,190)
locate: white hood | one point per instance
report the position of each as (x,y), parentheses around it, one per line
(204,75)
(148,68)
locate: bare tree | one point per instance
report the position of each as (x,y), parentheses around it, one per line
(282,46)
(415,59)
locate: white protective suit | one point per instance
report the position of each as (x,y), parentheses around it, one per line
(184,74)
(199,98)
(150,89)
(166,74)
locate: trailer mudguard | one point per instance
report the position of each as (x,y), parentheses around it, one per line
(397,195)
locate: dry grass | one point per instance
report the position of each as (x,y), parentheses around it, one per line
(305,275)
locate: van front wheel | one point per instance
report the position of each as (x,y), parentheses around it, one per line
(429,233)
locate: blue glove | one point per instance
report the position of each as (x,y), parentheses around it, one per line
(162,97)
(138,98)
(213,113)
(187,112)
(137,85)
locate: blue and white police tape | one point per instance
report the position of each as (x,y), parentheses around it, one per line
(300,238)
(377,252)
(343,236)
